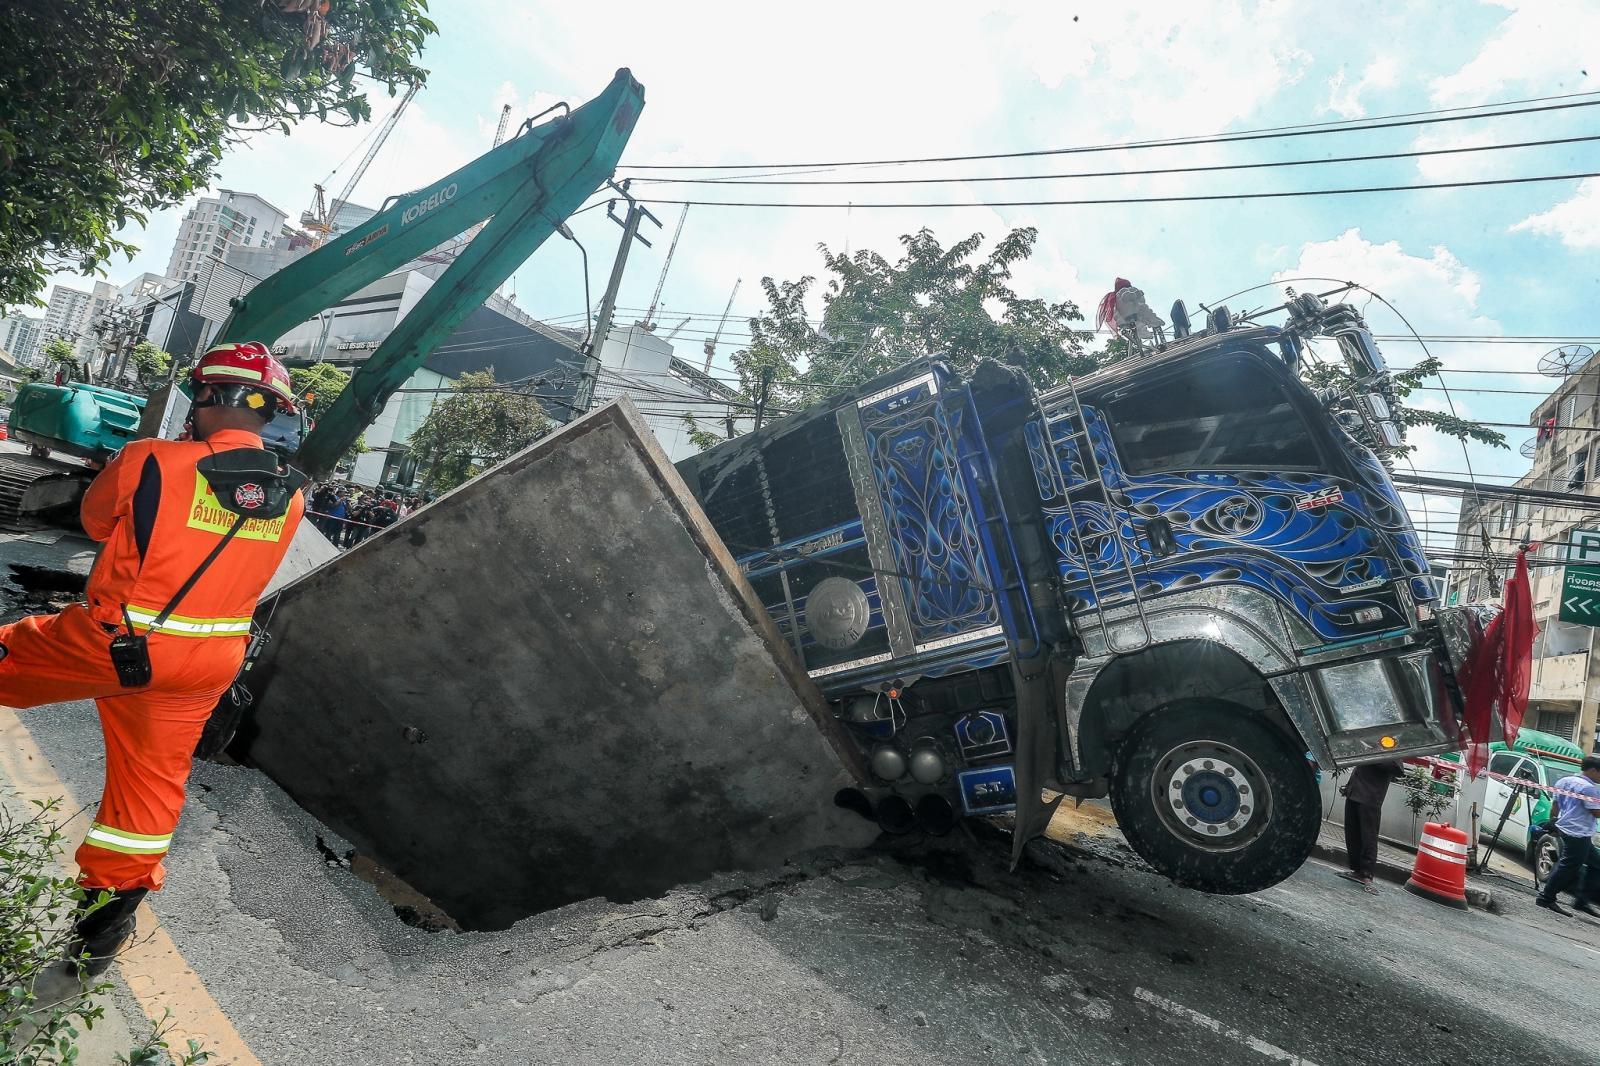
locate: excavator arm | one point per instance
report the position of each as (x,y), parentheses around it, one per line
(525,187)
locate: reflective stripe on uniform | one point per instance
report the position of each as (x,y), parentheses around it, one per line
(185,626)
(113,839)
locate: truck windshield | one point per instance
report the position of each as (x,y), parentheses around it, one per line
(1219,413)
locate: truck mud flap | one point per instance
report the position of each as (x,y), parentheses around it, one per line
(551,684)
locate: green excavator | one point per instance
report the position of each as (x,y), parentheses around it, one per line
(520,191)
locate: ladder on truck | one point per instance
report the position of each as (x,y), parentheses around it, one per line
(1078,424)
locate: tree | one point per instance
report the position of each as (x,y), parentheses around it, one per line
(110,110)
(479,424)
(934,300)
(318,385)
(877,315)
(151,363)
(1320,375)
(58,355)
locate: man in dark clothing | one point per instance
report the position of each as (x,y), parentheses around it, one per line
(1363,810)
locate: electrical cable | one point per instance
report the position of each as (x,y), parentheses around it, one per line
(1211,168)
(1416,118)
(1109,200)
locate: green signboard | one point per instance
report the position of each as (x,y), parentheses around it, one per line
(1580,595)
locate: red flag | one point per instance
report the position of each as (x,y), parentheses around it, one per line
(1499,671)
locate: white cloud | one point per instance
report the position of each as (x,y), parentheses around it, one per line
(1439,294)
(1141,64)
(1576,221)
(1344,97)
(1541,46)
(1462,166)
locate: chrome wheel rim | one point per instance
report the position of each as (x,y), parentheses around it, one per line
(1211,795)
(1545,860)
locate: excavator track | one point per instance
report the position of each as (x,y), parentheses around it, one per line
(34,491)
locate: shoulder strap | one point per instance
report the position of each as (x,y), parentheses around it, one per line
(172,604)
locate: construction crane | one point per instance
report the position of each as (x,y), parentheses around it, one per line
(318,221)
(473,231)
(649,322)
(675,330)
(500,133)
(711,345)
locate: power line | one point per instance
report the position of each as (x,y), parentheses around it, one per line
(1417,118)
(1108,200)
(1213,168)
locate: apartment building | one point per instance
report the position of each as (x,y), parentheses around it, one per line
(1564,450)
(216,223)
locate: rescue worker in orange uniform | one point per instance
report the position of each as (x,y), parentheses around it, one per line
(157,519)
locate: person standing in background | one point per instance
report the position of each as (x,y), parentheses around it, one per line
(1577,801)
(1363,810)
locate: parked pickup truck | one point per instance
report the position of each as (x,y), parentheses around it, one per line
(1540,759)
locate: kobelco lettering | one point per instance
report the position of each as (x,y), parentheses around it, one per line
(422,207)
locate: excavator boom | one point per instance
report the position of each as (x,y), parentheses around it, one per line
(525,187)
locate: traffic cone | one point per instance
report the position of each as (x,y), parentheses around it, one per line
(1440,872)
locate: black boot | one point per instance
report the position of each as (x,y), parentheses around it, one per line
(101,933)
(96,939)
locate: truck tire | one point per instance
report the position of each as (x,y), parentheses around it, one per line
(1214,798)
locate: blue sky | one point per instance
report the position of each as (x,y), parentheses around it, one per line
(753,83)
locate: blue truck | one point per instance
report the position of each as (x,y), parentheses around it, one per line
(1185,581)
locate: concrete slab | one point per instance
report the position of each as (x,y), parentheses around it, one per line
(308,550)
(551,684)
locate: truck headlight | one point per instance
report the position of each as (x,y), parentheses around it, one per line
(1361,695)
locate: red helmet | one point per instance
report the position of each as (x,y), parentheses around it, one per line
(249,364)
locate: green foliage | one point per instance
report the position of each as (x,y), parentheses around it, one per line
(931,301)
(37,908)
(36,905)
(151,363)
(112,110)
(478,425)
(58,355)
(1422,799)
(318,385)
(700,438)
(952,303)
(1329,374)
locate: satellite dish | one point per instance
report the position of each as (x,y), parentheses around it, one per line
(1565,360)
(1529,447)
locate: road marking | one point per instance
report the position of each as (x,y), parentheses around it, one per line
(1256,1044)
(157,974)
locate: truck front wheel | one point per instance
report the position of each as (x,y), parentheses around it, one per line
(1215,799)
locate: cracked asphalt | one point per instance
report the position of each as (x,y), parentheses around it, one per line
(911,952)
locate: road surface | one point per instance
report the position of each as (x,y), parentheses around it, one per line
(272,949)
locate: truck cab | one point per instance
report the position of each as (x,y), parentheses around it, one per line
(1184,581)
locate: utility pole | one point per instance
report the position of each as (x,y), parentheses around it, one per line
(608,303)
